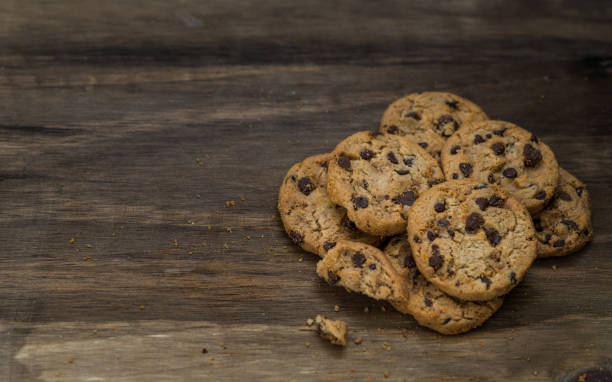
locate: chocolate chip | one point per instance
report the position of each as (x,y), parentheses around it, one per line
(498,148)
(416,239)
(541,195)
(481,186)
(305,185)
(547,237)
(423,144)
(563,196)
(466,169)
(332,278)
(579,190)
(439,207)
(443,222)
(513,277)
(483,203)
(392,158)
(366,184)
(491,178)
(452,103)
(360,202)
(496,201)
(455,175)
(431,236)
(348,224)
(478,139)
(293,178)
(446,321)
(366,154)
(451,233)
(409,161)
(403,172)
(427,302)
(324,164)
(412,115)
(396,240)
(473,222)
(403,216)
(494,237)
(375,131)
(358,259)
(436,261)
(344,162)
(204,351)
(405,198)
(444,120)
(392,129)
(488,136)
(559,243)
(534,139)
(532,156)
(434,182)
(409,262)
(453,150)
(296,237)
(510,173)
(500,132)
(537,224)
(329,245)
(372,266)
(485,280)
(570,224)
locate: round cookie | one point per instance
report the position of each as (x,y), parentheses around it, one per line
(472,240)
(377,177)
(498,152)
(564,226)
(429,118)
(312,221)
(429,305)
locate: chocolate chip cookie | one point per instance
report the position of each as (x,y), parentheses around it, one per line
(564,226)
(377,177)
(472,240)
(311,220)
(428,304)
(429,118)
(393,277)
(498,152)
(331,330)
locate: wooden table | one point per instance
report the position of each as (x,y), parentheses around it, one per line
(126,126)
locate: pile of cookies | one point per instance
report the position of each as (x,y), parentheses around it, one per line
(439,210)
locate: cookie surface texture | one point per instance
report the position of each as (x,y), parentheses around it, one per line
(564,225)
(310,219)
(501,153)
(429,118)
(377,177)
(472,240)
(428,304)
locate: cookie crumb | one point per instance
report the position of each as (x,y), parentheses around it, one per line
(309,322)
(198,196)
(72,240)
(358,341)
(300,259)
(204,350)
(190,253)
(386,374)
(333,331)
(209,228)
(141,307)
(336,308)
(535,372)
(228,229)
(307,344)
(70,360)
(383,308)
(57,374)
(405,332)
(366,309)
(248,237)
(175,242)
(554,267)
(225,246)
(230,203)
(88,245)
(242,198)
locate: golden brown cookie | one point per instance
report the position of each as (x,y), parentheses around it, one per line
(564,225)
(498,152)
(472,240)
(429,118)
(377,177)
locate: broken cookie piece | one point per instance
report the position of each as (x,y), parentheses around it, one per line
(333,331)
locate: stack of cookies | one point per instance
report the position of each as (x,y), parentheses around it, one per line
(439,210)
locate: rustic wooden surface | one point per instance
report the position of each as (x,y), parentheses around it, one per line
(105,108)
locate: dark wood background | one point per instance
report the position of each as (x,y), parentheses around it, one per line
(115,115)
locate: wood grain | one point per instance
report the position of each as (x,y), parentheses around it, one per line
(115,116)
